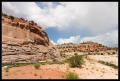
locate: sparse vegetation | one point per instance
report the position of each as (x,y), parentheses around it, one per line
(76,60)
(71,75)
(24,64)
(16,65)
(11,17)
(109,64)
(113,52)
(44,62)
(56,61)
(37,65)
(108,53)
(4,14)
(7,68)
(101,53)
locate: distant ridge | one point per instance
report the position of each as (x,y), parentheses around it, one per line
(87,46)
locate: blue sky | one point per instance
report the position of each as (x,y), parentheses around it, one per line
(43,5)
(70,21)
(54,34)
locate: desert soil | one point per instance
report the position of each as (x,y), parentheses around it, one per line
(90,70)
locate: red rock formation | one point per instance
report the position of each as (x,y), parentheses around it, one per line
(25,42)
(92,46)
(82,47)
(26,25)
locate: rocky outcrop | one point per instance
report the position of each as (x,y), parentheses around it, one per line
(16,53)
(25,42)
(13,24)
(88,46)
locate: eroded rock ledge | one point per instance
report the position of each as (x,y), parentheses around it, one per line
(25,42)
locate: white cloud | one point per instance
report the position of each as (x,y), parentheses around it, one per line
(28,10)
(72,39)
(97,17)
(53,42)
(108,39)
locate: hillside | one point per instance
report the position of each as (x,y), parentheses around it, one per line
(88,46)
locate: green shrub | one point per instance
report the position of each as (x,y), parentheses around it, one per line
(76,61)
(37,65)
(7,68)
(71,75)
(108,53)
(109,64)
(21,64)
(113,52)
(11,17)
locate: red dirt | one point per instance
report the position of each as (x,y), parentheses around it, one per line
(29,72)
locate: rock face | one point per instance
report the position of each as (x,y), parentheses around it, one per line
(23,30)
(25,42)
(82,47)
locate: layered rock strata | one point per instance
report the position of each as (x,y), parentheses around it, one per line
(24,41)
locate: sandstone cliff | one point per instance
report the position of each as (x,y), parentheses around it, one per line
(24,41)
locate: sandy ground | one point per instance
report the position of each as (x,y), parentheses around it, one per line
(106,58)
(95,70)
(90,70)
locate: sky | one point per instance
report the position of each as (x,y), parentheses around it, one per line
(71,21)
